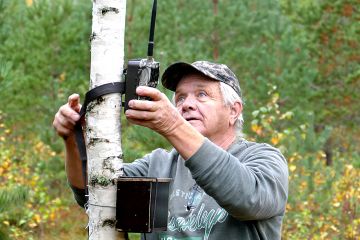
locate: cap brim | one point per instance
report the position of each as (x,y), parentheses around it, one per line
(175,72)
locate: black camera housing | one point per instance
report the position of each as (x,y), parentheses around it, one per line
(142,204)
(140,72)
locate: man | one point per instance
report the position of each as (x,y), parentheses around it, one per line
(223,186)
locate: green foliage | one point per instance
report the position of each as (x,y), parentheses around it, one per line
(322,201)
(30,190)
(37,54)
(330,32)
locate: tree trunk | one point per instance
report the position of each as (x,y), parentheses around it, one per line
(103,136)
(216,30)
(328,149)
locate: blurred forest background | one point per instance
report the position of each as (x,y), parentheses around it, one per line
(298,65)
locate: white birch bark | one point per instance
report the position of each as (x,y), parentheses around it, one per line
(103,136)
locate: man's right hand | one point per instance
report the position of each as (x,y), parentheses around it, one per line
(67,116)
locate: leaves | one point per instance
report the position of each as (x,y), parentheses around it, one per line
(26,198)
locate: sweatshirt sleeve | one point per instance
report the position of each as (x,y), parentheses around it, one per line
(251,185)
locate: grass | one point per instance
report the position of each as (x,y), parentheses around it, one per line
(70,224)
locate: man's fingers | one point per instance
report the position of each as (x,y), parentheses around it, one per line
(66,121)
(153,93)
(63,126)
(143,105)
(61,122)
(139,115)
(74,102)
(68,113)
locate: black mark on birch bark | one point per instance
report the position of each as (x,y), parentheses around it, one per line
(97,102)
(109,223)
(94,141)
(107,164)
(106,10)
(92,36)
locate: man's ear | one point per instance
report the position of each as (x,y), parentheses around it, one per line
(235,112)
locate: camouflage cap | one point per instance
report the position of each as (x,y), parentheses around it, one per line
(220,72)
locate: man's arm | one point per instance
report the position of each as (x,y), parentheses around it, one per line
(73,165)
(64,123)
(250,181)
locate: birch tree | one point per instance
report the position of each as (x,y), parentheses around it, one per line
(103,136)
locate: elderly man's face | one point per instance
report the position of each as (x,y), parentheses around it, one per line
(200,102)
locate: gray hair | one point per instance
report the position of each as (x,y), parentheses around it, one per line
(230,97)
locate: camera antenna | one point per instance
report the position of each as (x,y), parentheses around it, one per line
(152,30)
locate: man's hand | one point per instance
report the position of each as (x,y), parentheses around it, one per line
(159,114)
(67,116)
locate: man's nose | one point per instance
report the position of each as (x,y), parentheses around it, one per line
(189,103)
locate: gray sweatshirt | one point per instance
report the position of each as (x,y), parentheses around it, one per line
(240,193)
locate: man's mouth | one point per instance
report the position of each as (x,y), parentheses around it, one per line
(191,119)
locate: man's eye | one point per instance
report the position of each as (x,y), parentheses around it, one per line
(202,94)
(179,100)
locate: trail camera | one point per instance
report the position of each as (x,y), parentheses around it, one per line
(142,72)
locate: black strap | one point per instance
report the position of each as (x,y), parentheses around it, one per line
(93,94)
